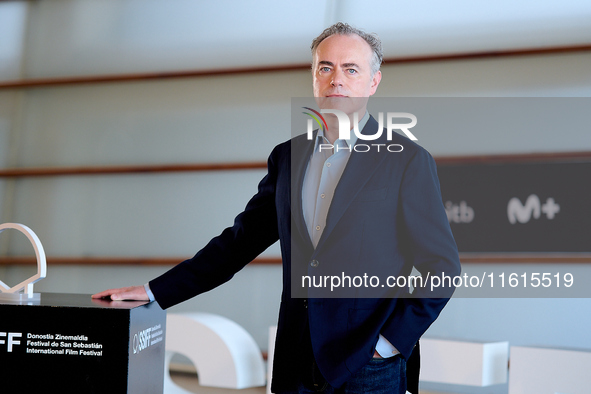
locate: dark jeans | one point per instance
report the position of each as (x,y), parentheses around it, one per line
(379,376)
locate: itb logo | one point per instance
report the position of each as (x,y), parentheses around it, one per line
(345,128)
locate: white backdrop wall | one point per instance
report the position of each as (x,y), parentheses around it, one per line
(232,118)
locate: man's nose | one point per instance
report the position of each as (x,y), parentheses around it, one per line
(337,79)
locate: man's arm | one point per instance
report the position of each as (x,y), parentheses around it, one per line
(253,231)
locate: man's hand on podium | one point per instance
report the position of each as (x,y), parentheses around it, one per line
(137,293)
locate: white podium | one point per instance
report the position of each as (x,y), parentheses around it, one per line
(465,363)
(549,371)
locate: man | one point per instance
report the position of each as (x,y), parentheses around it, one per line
(329,207)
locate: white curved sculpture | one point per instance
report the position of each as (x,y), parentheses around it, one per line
(224,354)
(26,286)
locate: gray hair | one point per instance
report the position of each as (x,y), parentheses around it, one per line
(346,30)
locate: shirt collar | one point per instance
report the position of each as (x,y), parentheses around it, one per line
(321,139)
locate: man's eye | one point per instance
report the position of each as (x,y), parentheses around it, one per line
(325,69)
(351,71)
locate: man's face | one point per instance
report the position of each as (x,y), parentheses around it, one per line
(342,69)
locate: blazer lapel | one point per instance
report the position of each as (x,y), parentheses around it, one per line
(301,149)
(359,169)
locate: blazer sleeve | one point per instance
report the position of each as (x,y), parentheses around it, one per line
(429,246)
(254,230)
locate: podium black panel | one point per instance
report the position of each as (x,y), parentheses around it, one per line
(69,343)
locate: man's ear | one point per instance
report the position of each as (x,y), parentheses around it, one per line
(375,81)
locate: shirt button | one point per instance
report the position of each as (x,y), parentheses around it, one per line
(314,263)
(328,164)
(322,195)
(317,228)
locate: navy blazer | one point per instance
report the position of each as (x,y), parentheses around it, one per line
(386,212)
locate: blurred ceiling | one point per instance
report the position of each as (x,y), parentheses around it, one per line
(78,37)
